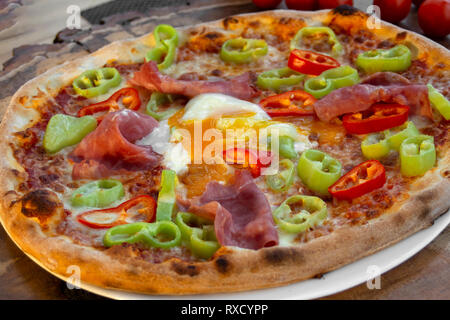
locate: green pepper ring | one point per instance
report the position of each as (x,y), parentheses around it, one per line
(407,130)
(374,147)
(395,59)
(240,50)
(201,241)
(157,99)
(144,232)
(330,80)
(417,155)
(100,193)
(337,48)
(316,212)
(311,168)
(282,181)
(86,86)
(279,78)
(164,51)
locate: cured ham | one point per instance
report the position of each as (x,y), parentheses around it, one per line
(110,148)
(242,215)
(361,97)
(150,78)
(385,79)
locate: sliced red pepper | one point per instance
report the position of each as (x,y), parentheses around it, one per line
(248,159)
(128,96)
(364,178)
(310,62)
(140,209)
(378,118)
(290,103)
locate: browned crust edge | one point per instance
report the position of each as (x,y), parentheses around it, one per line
(235,269)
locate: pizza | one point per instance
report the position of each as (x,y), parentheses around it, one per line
(250,152)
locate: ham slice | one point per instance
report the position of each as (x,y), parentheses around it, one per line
(380,87)
(110,148)
(385,79)
(242,215)
(149,77)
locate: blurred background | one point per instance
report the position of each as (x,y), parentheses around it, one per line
(26,22)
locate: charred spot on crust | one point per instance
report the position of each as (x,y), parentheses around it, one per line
(399,220)
(345,10)
(223,265)
(278,256)
(254,24)
(284,20)
(185,269)
(213,35)
(424,212)
(401,36)
(229,20)
(426,196)
(216,73)
(41,204)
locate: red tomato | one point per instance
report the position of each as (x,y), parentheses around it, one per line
(301,4)
(330,4)
(434,18)
(418,2)
(393,10)
(266,4)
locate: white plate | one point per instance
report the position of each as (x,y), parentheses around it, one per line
(332,282)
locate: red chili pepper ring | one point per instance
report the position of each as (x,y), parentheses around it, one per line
(362,179)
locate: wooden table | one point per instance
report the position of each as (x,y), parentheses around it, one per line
(424,276)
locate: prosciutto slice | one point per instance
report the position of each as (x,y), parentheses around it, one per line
(385,79)
(110,148)
(241,212)
(380,87)
(150,78)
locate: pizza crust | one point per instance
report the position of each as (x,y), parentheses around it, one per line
(232,269)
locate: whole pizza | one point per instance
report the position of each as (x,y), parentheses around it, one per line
(250,152)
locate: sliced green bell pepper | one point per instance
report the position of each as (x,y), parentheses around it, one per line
(310,211)
(240,50)
(157,99)
(376,145)
(166,38)
(64,131)
(395,59)
(400,133)
(166,197)
(283,180)
(439,102)
(279,79)
(417,155)
(96,82)
(100,193)
(198,234)
(330,80)
(286,147)
(296,42)
(161,234)
(318,171)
